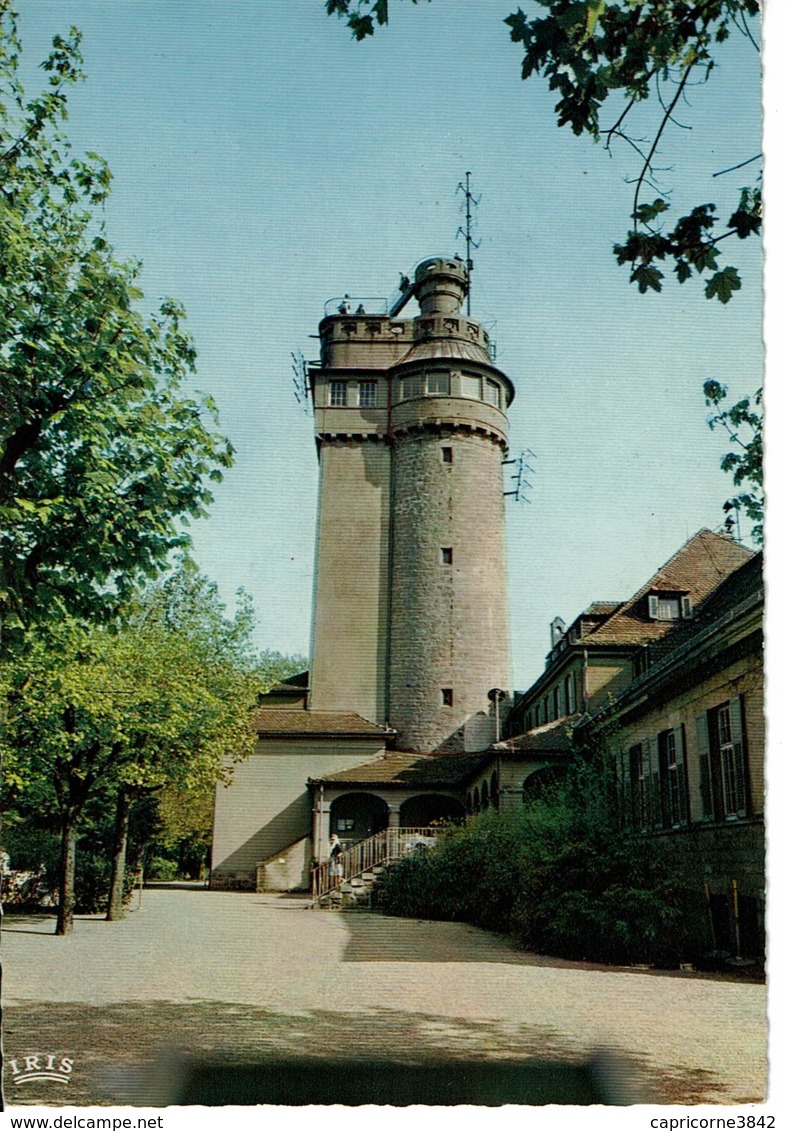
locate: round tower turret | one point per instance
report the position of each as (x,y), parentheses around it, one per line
(449,636)
(440,285)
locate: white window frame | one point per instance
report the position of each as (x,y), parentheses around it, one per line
(369,394)
(339,394)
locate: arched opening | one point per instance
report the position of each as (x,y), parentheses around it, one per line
(476,805)
(469,803)
(356,816)
(541,780)
(420,812)
(484,795)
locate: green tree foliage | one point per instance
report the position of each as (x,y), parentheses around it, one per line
(161,703)
(558,874)
(603,58)
(743,422)
(103,455)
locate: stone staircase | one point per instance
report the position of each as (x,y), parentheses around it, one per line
(356,893)
(364,867)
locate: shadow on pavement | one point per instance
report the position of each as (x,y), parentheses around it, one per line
(155,1053)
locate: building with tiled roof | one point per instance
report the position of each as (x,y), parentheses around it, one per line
(593,659)
(671,682)
(276,722)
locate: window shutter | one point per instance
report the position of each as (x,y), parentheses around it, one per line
(653,606)
(686,608)
(704,764)
(627,786)
(739,760)
(680,807)
(648,801)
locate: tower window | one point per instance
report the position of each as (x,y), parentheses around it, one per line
(493,393)
(439,383)
(446,555)
(446,455)
(471,386)
(367,394)
(412,386)
(447,697)
(338,394)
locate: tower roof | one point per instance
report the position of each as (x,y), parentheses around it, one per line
(436,349)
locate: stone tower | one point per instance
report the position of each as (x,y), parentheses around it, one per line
(410,623)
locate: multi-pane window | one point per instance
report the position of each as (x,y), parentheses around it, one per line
(368,394)
(670,607)
(722,760)
(655,782)
(673,778)
(556,703)
(638,791)
(732,764)
(338,394)
(438,383)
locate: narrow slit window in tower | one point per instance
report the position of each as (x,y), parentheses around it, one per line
(447,697)
(446,455)
(446,555)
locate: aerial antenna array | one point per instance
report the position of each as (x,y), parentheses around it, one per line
(522,468)
(300,380)
(467,231)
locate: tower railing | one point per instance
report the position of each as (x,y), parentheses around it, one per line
(376,850)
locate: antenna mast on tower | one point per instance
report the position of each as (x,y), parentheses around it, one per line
(466,231)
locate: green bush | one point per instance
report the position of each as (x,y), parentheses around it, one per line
(161,868)
(558,874)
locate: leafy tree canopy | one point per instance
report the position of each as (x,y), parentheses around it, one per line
(103,454)
(603,58)
(163,702)
(743,423)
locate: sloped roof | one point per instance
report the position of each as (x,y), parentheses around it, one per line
(550,739)
(395,769)
(602,608)
(702,563)
(283,721)
(292,683)
(729,626)
(742,589)
(437,348)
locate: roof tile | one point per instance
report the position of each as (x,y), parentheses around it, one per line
(269,720)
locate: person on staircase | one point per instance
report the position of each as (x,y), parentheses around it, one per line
(335,866)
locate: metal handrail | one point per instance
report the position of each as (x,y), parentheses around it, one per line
(381,848)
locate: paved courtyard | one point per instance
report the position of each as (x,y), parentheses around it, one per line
(218,976)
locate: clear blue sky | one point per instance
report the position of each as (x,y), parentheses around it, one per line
(264,163)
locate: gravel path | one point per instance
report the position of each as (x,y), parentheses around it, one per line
(227,975)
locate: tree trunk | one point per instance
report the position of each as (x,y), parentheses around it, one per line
(116,909)
(65,909)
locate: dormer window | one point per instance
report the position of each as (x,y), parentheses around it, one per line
(669,606)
